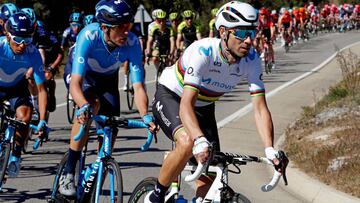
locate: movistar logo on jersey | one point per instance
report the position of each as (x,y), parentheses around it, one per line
(91,35)
(222,85)
(205,51)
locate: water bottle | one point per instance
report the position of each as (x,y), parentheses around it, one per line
(181,199)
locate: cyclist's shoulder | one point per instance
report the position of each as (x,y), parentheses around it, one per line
(206,47)
(3,41)
(182,25)
(91,32)
(212,22)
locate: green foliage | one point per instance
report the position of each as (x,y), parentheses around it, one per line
(337,93)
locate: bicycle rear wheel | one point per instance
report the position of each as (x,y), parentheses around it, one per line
(129,93)
(4,159)
(112,185)
(142,189)
(70,107)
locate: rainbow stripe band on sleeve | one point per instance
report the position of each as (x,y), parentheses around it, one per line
(258,93)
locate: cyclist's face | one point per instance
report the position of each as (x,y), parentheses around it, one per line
(17,48)
(239,46)
(75,27)
(161,21)
(188,21)
(119,33)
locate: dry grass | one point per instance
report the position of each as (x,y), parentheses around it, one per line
(329,149)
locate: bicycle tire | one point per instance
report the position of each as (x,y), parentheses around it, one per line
(104,196)
(159,71)
(4,159)
(70,108)
(140,191)
(239,198)
(129,93)
(59,197)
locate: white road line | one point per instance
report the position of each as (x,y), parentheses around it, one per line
(243,111)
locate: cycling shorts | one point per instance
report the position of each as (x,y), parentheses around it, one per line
(105,88)
(18,95)
(267,34)
(166,105)
(286,25)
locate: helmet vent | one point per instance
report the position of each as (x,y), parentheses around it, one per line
(229,17)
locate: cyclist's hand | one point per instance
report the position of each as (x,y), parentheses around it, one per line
(42,127)
(273,155)
(201,149)
(149,120)
(83,114)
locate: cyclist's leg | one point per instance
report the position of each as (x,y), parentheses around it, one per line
(21,104)
(166,112)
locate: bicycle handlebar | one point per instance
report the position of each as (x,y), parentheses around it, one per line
(119,122)
(242,159)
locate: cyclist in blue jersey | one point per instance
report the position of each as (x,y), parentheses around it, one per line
(17,55)
(70,33)
(6,10)
(51,54)
(184,100)
(98,53)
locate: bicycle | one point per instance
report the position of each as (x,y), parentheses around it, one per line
(220,191)
(8,125)
(268,60)
(91,179)
(70,107)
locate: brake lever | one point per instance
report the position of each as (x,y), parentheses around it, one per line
(283,162)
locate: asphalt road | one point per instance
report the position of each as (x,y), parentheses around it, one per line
(38,169)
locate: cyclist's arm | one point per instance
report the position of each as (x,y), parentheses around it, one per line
(76,90)
(178,40)
(172,46)
(149,44)
(198,36)
(263,120)
(42,100)
(198,32)
(187,112)
(42,54)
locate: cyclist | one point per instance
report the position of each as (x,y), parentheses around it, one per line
(184,100)
(213,32)
(70,33)
(174,19)
(51,54)
(17,55)
(161,39)
(88,19)
(267,28)
(285,25)
(188,31)
(153,15)
(97,55)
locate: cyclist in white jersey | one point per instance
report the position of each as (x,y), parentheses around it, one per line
(184,101)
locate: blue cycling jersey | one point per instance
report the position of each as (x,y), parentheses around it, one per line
(14,66)
(92,55)
(68,37)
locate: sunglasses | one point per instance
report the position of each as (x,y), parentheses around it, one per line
(20,40)
(242,34)
(188,18)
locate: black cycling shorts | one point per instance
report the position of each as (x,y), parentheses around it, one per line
(17,95)
(166,106)
(106,89)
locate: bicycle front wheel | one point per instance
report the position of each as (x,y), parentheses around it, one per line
(112,186)
(70,107)
(142,189)
(4,159)
(129,93)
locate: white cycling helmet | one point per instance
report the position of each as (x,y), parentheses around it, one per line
(236,14)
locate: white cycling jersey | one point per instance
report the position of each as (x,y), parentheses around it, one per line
(204,68)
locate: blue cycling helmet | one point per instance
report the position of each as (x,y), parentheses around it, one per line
(75,17)
(8,10)
(30,13)
(19,25)
(88,19)
(113,12)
